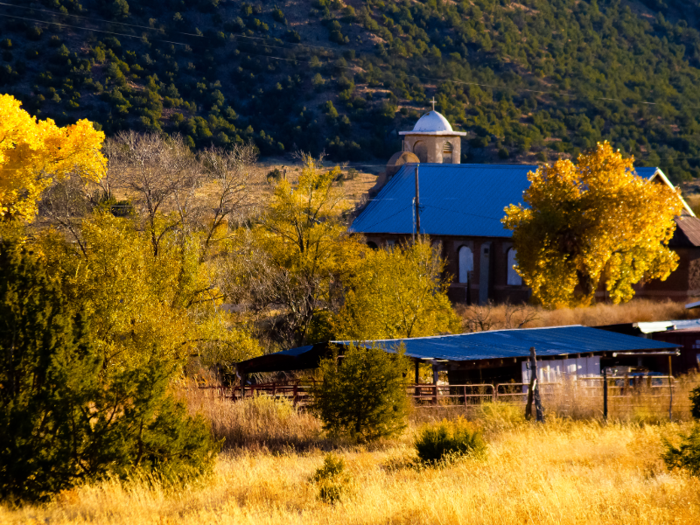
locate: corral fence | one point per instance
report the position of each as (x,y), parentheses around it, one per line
(641,397)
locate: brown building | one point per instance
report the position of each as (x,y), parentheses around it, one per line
(461,207)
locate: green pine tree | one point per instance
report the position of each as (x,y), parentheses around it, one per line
(363,393)
(65,416)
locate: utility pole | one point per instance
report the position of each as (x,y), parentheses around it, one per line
(417,204)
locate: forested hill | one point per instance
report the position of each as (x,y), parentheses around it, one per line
(528,81)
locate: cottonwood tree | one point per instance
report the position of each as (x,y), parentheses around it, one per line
(400,292)
(234,195)
(34,153)
(160,174)
(591,222)
(294,259)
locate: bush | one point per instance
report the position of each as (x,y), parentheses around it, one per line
(331,479)
(686,455)
(449,439)
(274,176)
(695,402)
(362,394)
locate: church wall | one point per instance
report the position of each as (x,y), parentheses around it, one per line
(681,285)
(429,148)
(498,289)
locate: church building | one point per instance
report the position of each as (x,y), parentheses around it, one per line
(461,207)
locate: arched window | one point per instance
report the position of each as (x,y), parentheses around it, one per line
(373,245)
(447,153)
(513,278)
(421,150)
(466,263)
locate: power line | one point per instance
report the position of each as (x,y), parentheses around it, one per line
(272,57)
(333,50)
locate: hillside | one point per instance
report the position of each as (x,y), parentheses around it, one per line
(528,81)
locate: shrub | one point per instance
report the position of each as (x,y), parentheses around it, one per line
(362,395)
(274,176)
(695,402)
(449,439)
(331,479)
(686,455)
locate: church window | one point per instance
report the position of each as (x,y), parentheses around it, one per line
(466,263)
(421,150)
(372,244)
(447,153)
(513,278)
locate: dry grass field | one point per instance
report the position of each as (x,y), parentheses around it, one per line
(494,317)
(562,472)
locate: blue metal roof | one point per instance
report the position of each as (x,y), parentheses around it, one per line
(499,344)
(455,199)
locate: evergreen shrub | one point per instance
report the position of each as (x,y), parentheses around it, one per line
(362,394)
(449,439)
(67,416)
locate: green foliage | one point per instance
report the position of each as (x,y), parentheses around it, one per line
(362,394)
(274,176)
(331,479)
(554,94)
(68,416)
(695,402)
(687,455)
(447,440)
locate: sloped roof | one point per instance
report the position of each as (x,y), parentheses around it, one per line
(455,199)
(497,344)
(687,234)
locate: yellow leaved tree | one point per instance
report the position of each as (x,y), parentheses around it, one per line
(395,293)
(290,265)
(35,152)
(591,222)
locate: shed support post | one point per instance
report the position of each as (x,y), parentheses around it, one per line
(605,394)
(670,390)
(435,382)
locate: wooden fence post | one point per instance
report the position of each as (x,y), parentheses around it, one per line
(533,393)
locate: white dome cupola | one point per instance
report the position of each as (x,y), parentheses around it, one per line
(433,140)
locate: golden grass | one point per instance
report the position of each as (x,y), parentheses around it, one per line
(500,316)
(562,472)
(260,422)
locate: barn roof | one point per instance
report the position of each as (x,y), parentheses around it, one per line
(496,344)
(455,199)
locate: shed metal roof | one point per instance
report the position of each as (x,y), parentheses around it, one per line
(455,199)
(499,344)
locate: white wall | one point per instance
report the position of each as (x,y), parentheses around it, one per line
(559,369)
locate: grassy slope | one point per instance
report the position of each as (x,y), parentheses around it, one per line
(589,69)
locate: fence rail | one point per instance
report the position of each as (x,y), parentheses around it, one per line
(660,396)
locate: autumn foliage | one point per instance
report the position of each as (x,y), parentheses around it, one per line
(591,222)
(35,152)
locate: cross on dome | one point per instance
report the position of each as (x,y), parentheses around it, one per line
(433,102)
